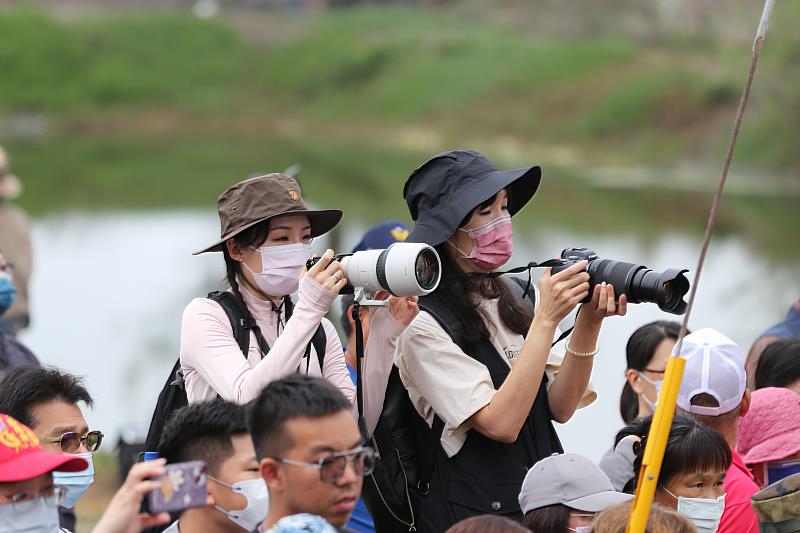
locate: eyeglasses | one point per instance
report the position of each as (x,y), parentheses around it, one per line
(70,442)
(23,501)
(331,468)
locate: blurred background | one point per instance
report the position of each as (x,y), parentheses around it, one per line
(125,119)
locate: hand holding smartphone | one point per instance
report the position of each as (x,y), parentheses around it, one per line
(183,486)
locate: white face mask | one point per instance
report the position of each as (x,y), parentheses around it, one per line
(35,516)
(257,496)
(75,484)
(280,268)
(581,529)
(655,383)
(705,513)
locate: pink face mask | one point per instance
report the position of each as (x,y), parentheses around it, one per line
(492,245)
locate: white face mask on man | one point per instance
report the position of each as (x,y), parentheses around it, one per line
(257,496)
(280,268)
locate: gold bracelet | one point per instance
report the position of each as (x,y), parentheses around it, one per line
(583,354)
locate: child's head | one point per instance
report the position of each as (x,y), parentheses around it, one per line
(695,460)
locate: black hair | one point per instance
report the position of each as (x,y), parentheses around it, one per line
(295,396)
(639,352)
(691,447)
(233,269)
(779,364)
(346,301)
(26,387)
(461,288)
(548,519)
(202,432)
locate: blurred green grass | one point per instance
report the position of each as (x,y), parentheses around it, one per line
(156,110)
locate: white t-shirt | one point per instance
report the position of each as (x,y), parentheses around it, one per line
(442,379)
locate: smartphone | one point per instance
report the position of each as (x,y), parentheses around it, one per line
(182,487)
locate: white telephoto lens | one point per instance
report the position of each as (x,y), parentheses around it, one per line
(404,269)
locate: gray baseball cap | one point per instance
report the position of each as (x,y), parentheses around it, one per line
(571,480)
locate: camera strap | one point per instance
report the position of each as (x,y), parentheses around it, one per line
(362,423)
(526,268)
(529,267)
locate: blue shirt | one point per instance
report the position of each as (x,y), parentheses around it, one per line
(360,520)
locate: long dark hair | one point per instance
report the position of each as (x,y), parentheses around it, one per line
(639,352)
(691,447)
(233,269)
(548,519)
(461,289)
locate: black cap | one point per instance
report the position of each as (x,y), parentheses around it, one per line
(442,191)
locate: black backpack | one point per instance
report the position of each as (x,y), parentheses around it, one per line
(173,393)
(406,446)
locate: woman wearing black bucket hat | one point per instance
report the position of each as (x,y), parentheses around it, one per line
(495,423)
(266,233)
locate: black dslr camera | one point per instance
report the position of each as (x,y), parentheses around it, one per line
(637,282)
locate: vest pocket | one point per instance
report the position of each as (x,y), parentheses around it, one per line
(469,498)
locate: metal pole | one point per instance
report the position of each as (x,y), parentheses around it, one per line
(665,410)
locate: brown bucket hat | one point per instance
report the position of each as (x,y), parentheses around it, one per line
(257,199)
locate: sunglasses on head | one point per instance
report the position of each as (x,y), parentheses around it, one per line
(70,442)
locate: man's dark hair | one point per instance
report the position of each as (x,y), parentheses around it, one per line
(26,387)
(779,364)
(295,396)
(202,432)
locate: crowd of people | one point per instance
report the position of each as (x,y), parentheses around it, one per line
(443,423)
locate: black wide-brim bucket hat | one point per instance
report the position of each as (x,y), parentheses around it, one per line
(442,191)
(252,201)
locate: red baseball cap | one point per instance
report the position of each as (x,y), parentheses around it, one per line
(22,457)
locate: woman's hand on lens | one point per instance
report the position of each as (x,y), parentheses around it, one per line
(561,292)
(328,273)
(604,304)
(404,308)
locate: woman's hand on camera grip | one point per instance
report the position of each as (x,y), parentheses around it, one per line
(604,304)
(560,293)
(328,273)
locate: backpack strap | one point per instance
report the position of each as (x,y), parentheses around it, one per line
(320,341)
(241,321)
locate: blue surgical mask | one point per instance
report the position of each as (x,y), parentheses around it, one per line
(75,484)
(7,292)
(35,516)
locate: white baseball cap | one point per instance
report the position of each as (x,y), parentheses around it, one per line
(714,366)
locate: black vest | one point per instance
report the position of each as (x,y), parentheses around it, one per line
(485,476)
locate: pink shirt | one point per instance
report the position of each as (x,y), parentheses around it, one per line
(738,516)
(213,364)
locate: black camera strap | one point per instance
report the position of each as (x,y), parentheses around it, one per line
(528,268)
(362,423)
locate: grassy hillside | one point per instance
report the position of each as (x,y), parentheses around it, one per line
(159,110)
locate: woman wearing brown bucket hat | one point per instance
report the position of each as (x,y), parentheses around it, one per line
(492,423)
(266,233)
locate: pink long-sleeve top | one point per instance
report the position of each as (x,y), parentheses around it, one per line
(213,364)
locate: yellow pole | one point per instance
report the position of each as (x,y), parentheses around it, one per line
(655,445)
